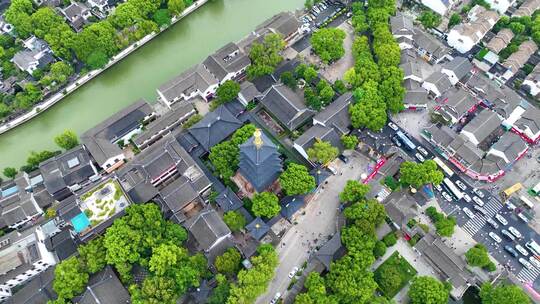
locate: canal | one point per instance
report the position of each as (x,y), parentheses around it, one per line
(183,45)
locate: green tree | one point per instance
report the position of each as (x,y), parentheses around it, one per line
(339,86)
(221,292)
(427,290)
(154,290)
(370,211)
(265,204)
(503,294)
(478,256)
(455,19)
(312,100)
(287,78)
(93,255)
(192,120)
(60,72)
(517,28)
(162,17)
(306,72)
(296,180)
(349,141)
(234,220)
(322,152)
(388,277)
(328,44)
(18,14)
(175,7)
(225,155)
(316,291)
(430,19)
(349,279)
(35,158)
(369,109)
(417,175)
(326,92)
(354,191)
(379,250)
(67,140)
(229,262)
(227,91)
(10,172)
(97,60)
(69,278)
(265,56)
(391,88)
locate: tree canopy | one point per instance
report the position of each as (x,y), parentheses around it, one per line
(67,140)
(235,220)
(70,278)
(296,180)
(427,290)
(265,56)
(479,256)
(322,152)
(265,204)
(328,44)
(354,191)
(227,91)
(229,262)
(503,294)
(419,174)
(430,19)
(369,110)
(224,156)
(349,141)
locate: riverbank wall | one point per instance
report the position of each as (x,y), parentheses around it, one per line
(79,82)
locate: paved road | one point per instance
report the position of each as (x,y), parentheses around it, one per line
(313,228)
(478,228)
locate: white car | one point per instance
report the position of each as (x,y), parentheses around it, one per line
(419,157)
(478,192)
(510,206)
(466,197)
(422,150)
(276,298)
(461,185)
(523,217)
(393,126)
(438,187)
(522,250)
(525,263)
(468,212)
(446,196)
(534,261)
(495,237)
(508,235)
(293,272)
(478,201)
(515,232)
(492,223)
(501,219)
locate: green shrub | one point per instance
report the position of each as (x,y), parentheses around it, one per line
(390,239)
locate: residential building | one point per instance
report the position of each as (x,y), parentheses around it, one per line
(441,7)
(227,63)
(215,127)
(167,174)
(527,8)
(464,36)
(400,209)
(332,250)
(36,55)
(314,134)
(105,140)
(501,6)
(429,47)
(248,92)
(510,147)
(197,81)
(208,229)
(447,263)
(260,165)
(481,126)
(24,256)
(403,30)
(227,200)
(336,115)
(60,242)
(526,123)
(104,287)
(416,100)
(284,23)
(37,290)
(290,205)
(437,83)
(532,81)
(457,69)
(163,125)
(76,14)
(18,206)
(286,106)
(68,172)
(518,59)
(500,41)
(412,70)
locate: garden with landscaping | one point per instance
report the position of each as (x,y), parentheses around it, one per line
(103,202)
(393,275)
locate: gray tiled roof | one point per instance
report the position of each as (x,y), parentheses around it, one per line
(483,125)
(511,145)
(318,132)
(257,228)
(227,200)
(287,106)
(100,139)
(261,166)
(466,151)
(429,43)
(457,102)
(284,23)
(330,250)
(442,136)
(440,80)
(336,114)
(228,59)
(104,287)
(37,291)
(411,68)
(530,119)
(401,25)
(416,97)
(25,58)
(207,227)
(215,127)
(460,66)
(193,79)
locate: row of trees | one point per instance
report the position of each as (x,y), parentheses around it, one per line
(524,28)
(376,77)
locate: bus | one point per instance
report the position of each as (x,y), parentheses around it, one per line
(534,247)
(511,190)
(443,167)
(455,190)
(526,201)
(406,140)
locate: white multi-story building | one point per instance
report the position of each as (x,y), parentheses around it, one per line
(464,36)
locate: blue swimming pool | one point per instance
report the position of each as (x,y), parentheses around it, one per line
(80,222)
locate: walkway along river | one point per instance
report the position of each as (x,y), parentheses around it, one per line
(183,45)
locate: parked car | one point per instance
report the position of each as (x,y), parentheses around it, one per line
(478,201)
(461,185)
(507,234)
(515,232)
(419,157)
(478,192)
(446,196)
(467,198)
(492,223)
(480,210)
(522,250)
(393,126)
(422,150)
(523,217)
(511,251)
(468,212)
(501,219)
(276,298)
(439,188)
(525,263)
(510,206)
(343,158)
(533,260)
(293,272)
(495,237)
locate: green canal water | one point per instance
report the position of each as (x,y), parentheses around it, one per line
(137,76)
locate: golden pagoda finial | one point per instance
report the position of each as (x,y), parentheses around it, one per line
(258,139)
